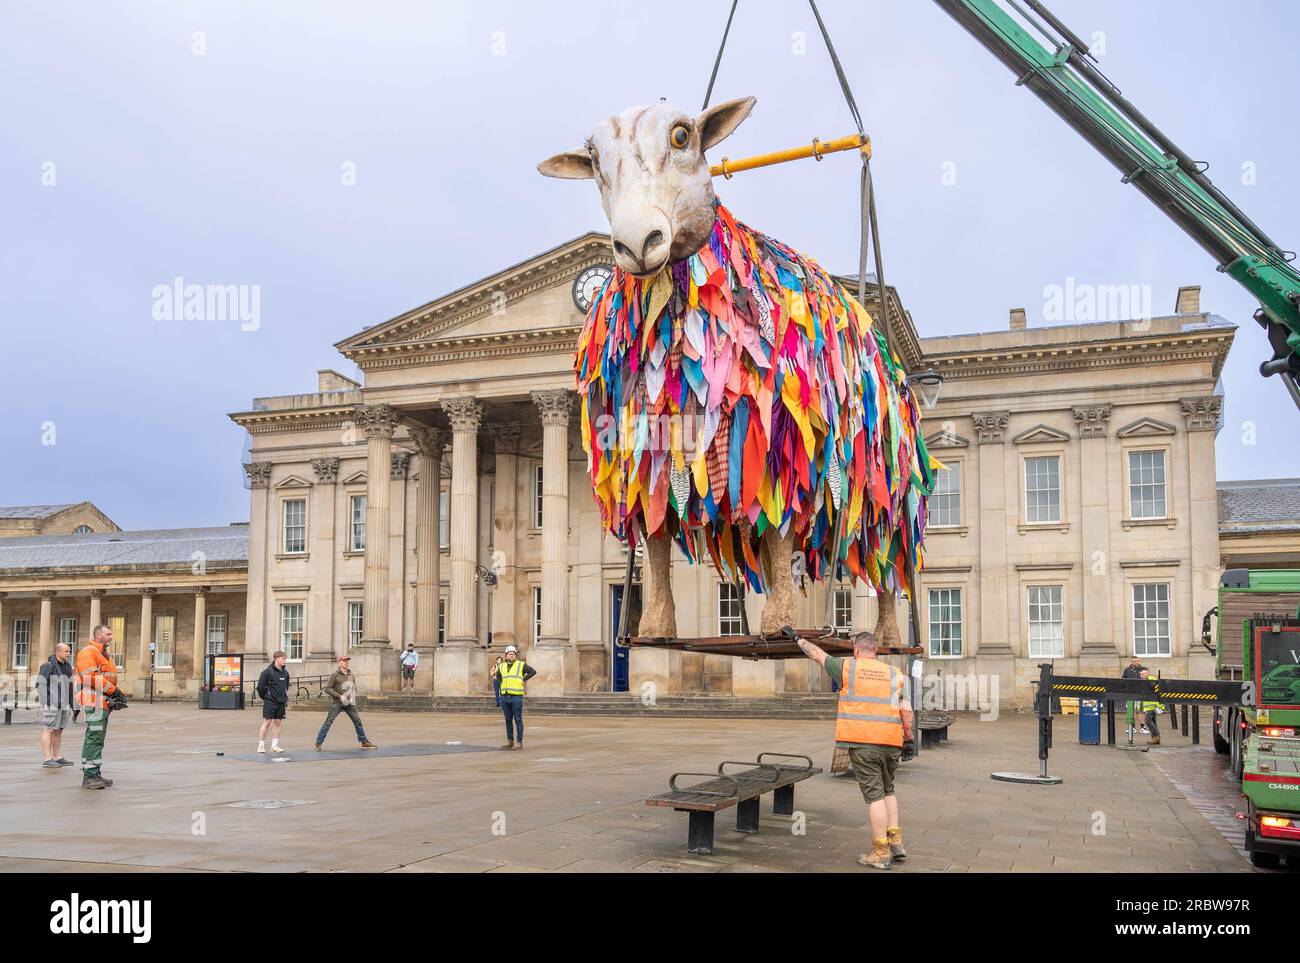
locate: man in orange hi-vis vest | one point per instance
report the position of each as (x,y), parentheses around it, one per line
(873,720)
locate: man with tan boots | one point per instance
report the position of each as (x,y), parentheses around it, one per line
(873,720)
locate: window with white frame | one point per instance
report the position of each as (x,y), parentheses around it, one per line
(444,525)
(1046,621)
(537,613)
(442,620)
(537,496)
(291,630)
(22,643)
(1146,484)
(216,633)
(729,603)
(844,609)
(1151,618)
(164,641)
(68,632)
(945,504)
(356,623)
(294,537)
(83,530)
(1043,489)
(357,523)
(945,622)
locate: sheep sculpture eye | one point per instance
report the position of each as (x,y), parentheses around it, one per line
(680,136)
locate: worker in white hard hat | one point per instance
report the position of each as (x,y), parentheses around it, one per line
(513,673)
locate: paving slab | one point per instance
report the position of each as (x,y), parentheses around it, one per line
(435,799)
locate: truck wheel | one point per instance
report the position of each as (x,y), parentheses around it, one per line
(1220,744)
(1238,757)
(1264,860)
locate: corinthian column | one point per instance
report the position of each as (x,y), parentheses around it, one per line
(429,443)
(460,667)
(378,422)
(557,669)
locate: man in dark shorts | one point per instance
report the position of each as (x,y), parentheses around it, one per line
(873,721)
(273,690)
(410,660)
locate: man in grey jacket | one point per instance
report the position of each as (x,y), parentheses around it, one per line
(342,690)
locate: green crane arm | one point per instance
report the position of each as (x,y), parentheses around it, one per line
(1066,79)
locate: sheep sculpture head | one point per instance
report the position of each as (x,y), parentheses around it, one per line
(654,181)
(794,442)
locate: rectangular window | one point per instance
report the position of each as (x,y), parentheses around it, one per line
(356,624)
(1146,484)
(537,613)
(164,641)
(844,610)
(729,620)
(1043,489)
(357,512)
(291,630)
(537,496)
(945,503)
(444,525)
(295,526)
(442,620)
(22,644)
(117,623)
(68,633)
(1151,619)
(945,622)
(216,633)
(1046,621)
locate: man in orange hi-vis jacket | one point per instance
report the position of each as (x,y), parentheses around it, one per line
(98,694)
(873,720)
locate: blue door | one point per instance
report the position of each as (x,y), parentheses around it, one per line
(619,653)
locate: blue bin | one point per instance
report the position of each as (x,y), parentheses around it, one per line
(1089,722)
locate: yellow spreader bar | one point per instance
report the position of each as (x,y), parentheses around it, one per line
(817,149)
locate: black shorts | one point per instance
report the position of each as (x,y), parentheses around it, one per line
(273,710)
(408,672)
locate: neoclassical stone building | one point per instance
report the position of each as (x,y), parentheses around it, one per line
(445,501)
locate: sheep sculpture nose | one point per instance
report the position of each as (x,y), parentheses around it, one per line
(641,252)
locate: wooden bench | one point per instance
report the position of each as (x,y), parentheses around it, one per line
(933,726)
(742,789)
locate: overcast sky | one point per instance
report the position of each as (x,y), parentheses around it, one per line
(215,141)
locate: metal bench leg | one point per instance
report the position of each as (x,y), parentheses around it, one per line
(747,815)
(699,832)
(783,801)
(943,734)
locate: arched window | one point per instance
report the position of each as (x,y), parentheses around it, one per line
(83,530)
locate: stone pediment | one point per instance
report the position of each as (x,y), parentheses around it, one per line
(1040,433)
(293,481)
(356,478)
(942,439)
(518,303)
(1146,426)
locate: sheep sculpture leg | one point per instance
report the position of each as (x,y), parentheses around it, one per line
(658,611)
(779,607)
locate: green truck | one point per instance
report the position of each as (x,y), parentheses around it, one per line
(1258,644)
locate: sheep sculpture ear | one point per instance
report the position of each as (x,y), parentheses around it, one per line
(572,164)
(717,123)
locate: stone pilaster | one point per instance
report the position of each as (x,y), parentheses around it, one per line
(994,637)
(6,646)
(555,657)
(460,666)
(324,513)
(1094,534)
(326,470)
(260,542)
(146,641)
(1202,416)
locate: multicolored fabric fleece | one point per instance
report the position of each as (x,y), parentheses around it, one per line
(740,389)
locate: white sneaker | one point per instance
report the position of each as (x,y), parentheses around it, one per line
(275,748)
(1145,731)
(261,747)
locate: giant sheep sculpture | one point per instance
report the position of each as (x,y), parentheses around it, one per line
(735,399)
